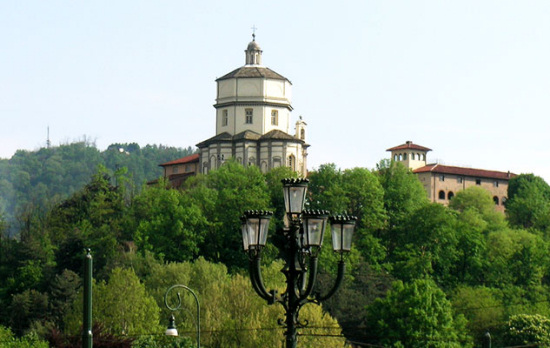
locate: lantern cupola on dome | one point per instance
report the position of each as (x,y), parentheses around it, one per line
(253,52)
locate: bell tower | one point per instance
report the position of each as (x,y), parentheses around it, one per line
(411,155)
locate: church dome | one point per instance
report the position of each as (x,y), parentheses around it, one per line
(253,46)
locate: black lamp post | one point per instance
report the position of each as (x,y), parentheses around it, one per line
(303,236)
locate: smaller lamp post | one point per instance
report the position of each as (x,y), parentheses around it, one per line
(171,330)
(303,236)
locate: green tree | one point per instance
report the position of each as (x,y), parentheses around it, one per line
(168,223)
(232,314)
(428,245)
(122,305)
(325,189)
(359,290)
(471,248)
(528,204)
(224,194)
(29,275)
(416,314)
(482,307)
(355,192)
(26,308)
(478,201)
(92,217)
(63,292)
(515,257)
(364,198)
(9,340)
(531,330)
(403,194)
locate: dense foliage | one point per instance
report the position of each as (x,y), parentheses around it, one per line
(34,181)
(420,274)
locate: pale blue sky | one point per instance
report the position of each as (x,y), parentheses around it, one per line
(468,79)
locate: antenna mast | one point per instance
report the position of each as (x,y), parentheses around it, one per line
(48,142)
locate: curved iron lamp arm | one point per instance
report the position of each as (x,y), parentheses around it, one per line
(178,306)
(312,279)
(257,281)
(337,284)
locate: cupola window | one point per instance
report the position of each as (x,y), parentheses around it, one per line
(274,117)
(225,118)
(248,116)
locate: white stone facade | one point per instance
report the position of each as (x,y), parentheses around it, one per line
(253,120)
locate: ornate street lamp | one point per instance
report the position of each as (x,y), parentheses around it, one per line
(171,330)
(303,238)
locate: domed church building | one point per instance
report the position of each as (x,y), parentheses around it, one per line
(253,123)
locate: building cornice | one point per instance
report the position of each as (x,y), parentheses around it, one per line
(253,103)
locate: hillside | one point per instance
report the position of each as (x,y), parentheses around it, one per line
(36,179)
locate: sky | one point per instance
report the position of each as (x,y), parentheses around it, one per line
(469,79)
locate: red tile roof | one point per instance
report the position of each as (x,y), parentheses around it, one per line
(409,145)
(443,169)
(187,159)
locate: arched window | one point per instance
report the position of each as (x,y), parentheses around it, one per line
(450,195)
(400,157)
(303,134)
(495,199)
(395,157)
(412,156)
(424,157)
(213,162)
(441,194)
(404,156)
(292,162)
(418,156)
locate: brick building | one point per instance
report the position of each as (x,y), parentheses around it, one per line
(442,182)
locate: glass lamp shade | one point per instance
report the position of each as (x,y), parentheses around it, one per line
(314,224)
(244,232)
(294,191)
(342,227)
(256,228)
(171,330)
